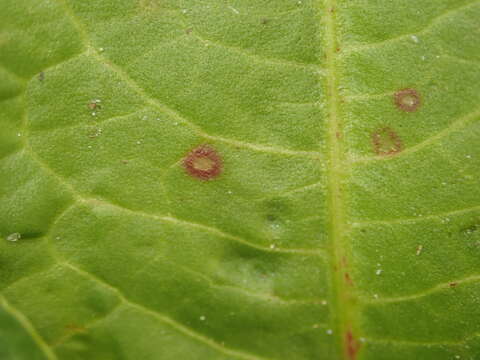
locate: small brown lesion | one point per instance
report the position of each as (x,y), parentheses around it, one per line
(203,163)
(453,284)
(386,142)
(407,100)
(94,105)
(348,279)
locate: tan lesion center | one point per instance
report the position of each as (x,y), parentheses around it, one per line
(409,100)
(203,164)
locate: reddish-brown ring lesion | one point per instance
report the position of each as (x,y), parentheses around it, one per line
(386,142)
(203,163)
(407,100)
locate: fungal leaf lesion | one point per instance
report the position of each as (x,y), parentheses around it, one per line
(407,100)
(203,163)
(386,142)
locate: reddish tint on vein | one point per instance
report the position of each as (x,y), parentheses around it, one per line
(386,142)
(352,346)
(203,163)
(407,100)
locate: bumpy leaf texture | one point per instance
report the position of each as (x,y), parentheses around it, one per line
(239,179)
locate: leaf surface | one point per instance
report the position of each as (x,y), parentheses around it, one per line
(235,179)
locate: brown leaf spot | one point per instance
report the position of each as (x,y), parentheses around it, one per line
(352,346)
(94,105)
(407,100)
(348,279)
(188,31)
(203,163)
(265,21)
(453,284)
(386,142)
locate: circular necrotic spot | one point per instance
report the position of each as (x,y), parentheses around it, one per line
(203,163)
(386,142)
(407,100)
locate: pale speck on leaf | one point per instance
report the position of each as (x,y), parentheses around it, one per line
(419,249)
(234,10)
(14,237)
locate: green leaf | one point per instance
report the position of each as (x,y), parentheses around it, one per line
(241,179)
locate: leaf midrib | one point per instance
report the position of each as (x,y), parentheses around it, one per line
(335,174)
